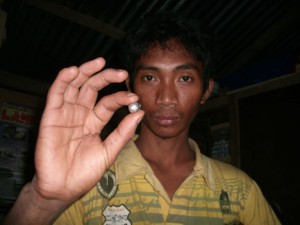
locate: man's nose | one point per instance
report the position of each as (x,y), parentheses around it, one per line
(167,94)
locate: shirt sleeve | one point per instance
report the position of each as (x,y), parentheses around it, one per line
(257,210)
(71,216)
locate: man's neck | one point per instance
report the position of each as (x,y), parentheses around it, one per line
(171,159)
(164,150)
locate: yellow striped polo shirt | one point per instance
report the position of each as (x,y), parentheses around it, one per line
(215,193)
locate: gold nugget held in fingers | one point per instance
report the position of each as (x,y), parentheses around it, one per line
(134,107)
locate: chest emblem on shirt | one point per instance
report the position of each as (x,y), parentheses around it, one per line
(107,186)
(225,203)
(116,215)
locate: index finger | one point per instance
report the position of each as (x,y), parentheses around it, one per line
(89,91)
(69,80)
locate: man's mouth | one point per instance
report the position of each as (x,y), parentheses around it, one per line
(166,120)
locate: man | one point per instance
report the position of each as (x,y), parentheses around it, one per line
(160,176)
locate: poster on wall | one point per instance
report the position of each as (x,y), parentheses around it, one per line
(18,125)
(220,146)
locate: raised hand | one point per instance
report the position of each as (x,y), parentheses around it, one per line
(70,156)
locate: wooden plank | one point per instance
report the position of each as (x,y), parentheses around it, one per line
(215,103)
(269,85)
(79,18)
(23,84)
(22,98)
(234,132)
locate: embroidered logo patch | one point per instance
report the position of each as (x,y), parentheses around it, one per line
(225,203)
(107,186)
(116,215)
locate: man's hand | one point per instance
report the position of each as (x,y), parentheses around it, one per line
(70,156)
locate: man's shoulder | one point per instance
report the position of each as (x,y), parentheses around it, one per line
(228,171)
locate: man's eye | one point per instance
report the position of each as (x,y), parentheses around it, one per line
(148,78)
(185,78)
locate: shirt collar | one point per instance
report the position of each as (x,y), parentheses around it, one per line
(130,162)
(202,166)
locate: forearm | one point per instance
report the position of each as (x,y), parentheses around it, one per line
(30,208)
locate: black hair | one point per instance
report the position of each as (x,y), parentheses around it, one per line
(161,28)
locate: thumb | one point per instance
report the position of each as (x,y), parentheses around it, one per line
(125,131)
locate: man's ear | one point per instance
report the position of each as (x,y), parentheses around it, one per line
(208,91)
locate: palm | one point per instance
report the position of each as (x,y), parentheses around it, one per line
(70,156)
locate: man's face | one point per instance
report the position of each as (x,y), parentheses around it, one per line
(170,87)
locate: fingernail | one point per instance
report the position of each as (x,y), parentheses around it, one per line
(130,94)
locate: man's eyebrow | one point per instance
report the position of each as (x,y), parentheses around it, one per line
(187,67)
(145,67)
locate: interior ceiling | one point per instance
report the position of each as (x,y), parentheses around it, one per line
(43,36)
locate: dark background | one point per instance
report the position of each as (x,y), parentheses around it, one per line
(256,41)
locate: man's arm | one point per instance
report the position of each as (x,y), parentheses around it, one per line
(70,157)
(30,208)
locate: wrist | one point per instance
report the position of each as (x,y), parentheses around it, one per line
(41,202)
(32,208)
